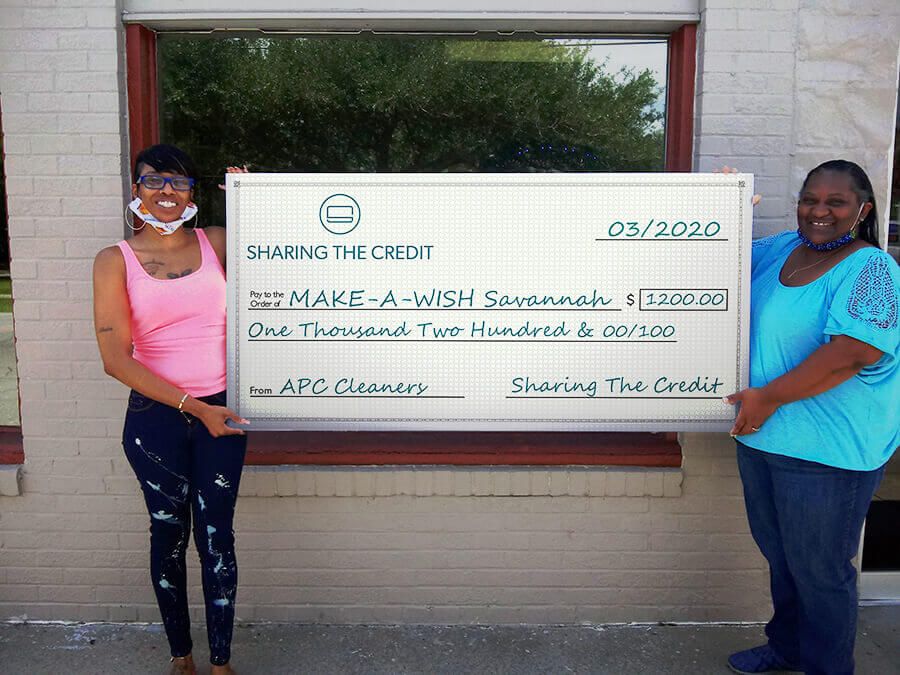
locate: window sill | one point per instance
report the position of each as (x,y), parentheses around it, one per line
(464,448)
(12,457)
(455,481)
(11,451)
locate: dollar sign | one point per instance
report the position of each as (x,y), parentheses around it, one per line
(630,299)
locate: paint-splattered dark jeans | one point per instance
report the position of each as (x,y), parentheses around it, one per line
(183,471)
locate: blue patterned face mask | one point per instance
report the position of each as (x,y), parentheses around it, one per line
(137,208)
(837,243)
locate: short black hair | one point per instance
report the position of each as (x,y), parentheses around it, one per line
(162,157)
(862,187)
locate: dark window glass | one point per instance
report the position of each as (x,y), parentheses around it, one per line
(410,104)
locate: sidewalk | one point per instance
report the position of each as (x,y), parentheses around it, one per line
(33,649)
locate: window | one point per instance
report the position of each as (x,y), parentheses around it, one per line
(10,433)
(410,104)
(422,104)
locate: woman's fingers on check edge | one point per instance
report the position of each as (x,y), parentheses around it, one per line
(234,417)
(734,399)
(744,428)
(756,199)
(737,427)
(225,430)
(237,419)
(743,423)
(234,169)
(217,423)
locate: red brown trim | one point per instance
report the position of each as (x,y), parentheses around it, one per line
(464,448)
(680,100)
(11,451)
(143,110)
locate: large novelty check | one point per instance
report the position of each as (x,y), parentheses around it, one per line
(488,301)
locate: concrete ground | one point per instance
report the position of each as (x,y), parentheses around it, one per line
(33,649)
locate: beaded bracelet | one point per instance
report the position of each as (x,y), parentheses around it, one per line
(181,402)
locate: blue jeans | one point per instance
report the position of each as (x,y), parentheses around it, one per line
(183,471)
(806,519)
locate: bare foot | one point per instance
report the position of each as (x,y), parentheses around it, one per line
(183,665)
(222,670)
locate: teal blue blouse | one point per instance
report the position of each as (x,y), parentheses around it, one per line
(855,425)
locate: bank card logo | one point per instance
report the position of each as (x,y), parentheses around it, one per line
(339,214)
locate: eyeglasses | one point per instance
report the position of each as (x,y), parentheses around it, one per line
(153,182)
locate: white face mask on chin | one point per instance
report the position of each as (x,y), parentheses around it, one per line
(137,208)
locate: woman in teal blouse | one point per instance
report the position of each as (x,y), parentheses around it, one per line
(821,417)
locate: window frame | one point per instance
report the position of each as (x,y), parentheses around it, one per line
(643,449)
(11,448)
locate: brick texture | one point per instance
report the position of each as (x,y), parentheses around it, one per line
(410,544)
(783,86)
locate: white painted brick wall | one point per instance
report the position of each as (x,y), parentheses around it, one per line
(62,120)
(785,85)
(844,106)
(744,108)
(359,545)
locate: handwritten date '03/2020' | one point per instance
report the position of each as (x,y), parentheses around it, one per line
(662,229)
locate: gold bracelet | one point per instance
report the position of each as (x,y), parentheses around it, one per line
(181,402)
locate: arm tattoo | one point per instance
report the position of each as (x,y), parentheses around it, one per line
(105,329)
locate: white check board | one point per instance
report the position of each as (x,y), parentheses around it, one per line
(488,301)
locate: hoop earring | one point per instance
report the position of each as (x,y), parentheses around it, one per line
(130,224)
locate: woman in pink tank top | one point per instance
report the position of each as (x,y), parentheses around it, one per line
(159,315)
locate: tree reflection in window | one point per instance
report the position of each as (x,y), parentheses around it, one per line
(410,104)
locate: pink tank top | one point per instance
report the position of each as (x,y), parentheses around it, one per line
(178,325)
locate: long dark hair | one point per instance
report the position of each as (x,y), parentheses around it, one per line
(862,188)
